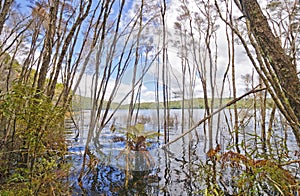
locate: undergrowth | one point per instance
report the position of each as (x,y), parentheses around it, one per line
(32,144)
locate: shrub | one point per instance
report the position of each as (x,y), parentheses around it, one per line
(32,143)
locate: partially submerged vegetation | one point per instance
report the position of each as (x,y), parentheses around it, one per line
(232,173)
(58,43)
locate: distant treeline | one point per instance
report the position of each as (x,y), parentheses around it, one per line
(85,103)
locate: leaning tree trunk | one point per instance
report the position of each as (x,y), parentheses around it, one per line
(273,53)
(4,11)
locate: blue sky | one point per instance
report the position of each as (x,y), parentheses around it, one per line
(174,61)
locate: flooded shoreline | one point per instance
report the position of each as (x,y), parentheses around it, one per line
(182,169)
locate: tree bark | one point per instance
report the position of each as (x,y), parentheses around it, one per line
(4,10)
(66,44)
(273,52)
(49,42)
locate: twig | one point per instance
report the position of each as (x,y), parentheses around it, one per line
(290,162)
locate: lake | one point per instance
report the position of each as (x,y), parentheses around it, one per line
(183,168)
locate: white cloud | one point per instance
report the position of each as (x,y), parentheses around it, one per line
(174,84)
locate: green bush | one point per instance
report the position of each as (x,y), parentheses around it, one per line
(32,143)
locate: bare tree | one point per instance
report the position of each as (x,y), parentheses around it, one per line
(110,63)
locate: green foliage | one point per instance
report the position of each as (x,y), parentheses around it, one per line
(266,176)
(6,58)
(245,176)
(135,154)
(136,136)
(138,130)
(33,144)
(85,103)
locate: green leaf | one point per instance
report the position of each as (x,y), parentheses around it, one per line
(139,127)
(136,129)
(151,134)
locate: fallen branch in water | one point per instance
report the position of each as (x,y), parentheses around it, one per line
(255,90)
(290,162)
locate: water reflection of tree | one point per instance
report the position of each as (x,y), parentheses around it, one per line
(109,180)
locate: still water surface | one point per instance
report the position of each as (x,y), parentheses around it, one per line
(177,170)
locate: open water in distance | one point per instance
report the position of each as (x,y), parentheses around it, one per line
(178,170)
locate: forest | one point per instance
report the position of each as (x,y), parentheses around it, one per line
(163,97)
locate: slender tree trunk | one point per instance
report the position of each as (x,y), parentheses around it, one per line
(183,69)
(165,74)
(4,10)
(263,105)
(66,44)
(49,42)
(135,66)
(236,117)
